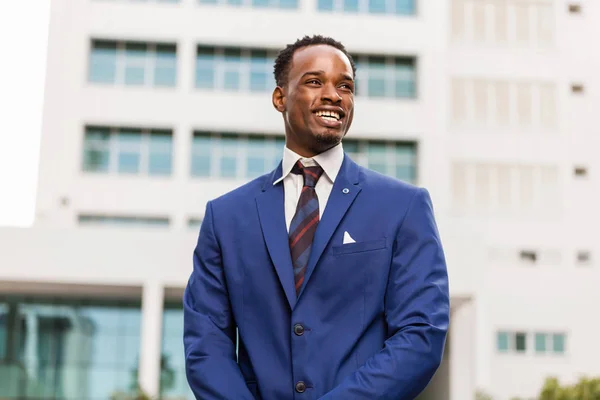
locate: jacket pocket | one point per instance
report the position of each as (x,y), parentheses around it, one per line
(359,247)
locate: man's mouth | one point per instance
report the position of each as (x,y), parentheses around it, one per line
(329,116)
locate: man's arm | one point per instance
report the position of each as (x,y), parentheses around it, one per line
(209,328)
(417,314)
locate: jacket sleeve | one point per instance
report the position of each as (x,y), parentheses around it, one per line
(209,328)
(417,308)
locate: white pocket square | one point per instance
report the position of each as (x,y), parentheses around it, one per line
(348,238)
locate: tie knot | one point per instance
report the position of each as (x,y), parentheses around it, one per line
(311,174)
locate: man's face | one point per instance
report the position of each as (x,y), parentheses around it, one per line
(318,101)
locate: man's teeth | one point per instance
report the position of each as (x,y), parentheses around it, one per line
(329,115)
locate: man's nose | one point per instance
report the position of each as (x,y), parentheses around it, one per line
(331,94)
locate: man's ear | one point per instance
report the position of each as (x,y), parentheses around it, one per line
(279,99)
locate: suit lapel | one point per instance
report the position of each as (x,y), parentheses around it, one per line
(344,191)
(271,212)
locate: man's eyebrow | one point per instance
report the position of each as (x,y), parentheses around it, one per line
(316,72)
(320,72)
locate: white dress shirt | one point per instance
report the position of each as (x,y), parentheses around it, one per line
(331,162)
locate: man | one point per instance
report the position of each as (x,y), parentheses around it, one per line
(334,275)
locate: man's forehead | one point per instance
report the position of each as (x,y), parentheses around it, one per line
(318,54)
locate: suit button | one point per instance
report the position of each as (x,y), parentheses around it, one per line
(300,387)
(299,329)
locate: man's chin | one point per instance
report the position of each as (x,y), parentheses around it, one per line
(329,139)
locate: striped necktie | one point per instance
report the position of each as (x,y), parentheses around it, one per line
(304,223)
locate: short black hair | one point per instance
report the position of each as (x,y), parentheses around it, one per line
(283,61)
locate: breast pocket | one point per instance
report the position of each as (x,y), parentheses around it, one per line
(359,247)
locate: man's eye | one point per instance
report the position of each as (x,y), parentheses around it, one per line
(313,81)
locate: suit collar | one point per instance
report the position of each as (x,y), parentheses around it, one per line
(330,160)
(270,206)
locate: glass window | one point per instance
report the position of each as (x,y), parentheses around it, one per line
(260,71)
(558,343)
(405,7)
(380,76)
(195,223)
(520,342)
(201,155)
(103,62)
(540,342)
(405,79)
(502,341)
(205,66)
(96,153)
(68,349)
(255,165)
(165,66)
(234,69)
(378,159)
(229,158)
(135,63)
(123,221)
(289,4)
(351,5)
(325,5)
(129,151)
(173,382)
(160,150)
(260,3)
(377,6)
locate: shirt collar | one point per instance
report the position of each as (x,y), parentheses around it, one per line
(330,160)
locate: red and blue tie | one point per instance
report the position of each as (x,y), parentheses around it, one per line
(304,223)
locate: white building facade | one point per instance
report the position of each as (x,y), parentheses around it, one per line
(154,107)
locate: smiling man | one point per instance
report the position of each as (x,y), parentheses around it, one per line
(334,275)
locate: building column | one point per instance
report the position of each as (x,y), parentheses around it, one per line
(151,335)
(462,352)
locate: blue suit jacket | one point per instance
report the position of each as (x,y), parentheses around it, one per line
(374,313)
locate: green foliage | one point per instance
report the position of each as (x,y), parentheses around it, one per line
(585,389)
(481,395)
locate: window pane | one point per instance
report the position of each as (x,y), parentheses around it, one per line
(351,5)
(61,341)
(129,143)
(160,150)
(325,5)
(255,164)
(376,87)
(540,342)
(231,80)
(260,3)
(288,4)
(205,66)
(165,70)
(520,342)
(558,343)
(135,63)
(173,383)
(502,341)
(405,79)
(96,150)
(201,155)
(377,153)
(228,162)
(377,6)
(103,62)
(405,7)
